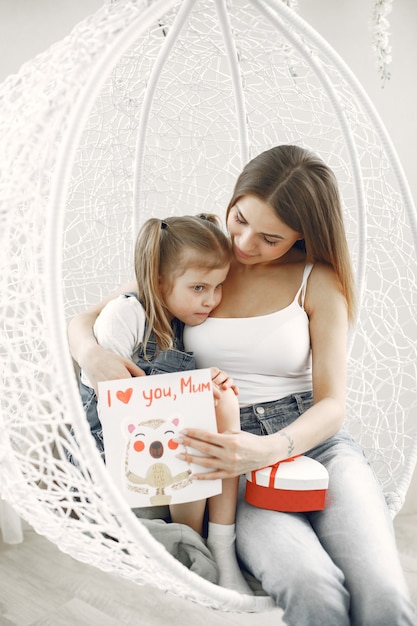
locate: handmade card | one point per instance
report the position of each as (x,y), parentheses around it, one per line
(140,418)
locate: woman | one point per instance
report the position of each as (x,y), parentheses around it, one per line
(280,332)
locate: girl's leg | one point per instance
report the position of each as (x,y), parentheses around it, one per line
(222,508)
(189,513)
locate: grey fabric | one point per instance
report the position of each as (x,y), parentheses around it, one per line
(152,512)
(186,545)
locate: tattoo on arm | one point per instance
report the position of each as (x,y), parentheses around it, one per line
(290,441)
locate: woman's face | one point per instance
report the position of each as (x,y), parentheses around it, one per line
(257,234)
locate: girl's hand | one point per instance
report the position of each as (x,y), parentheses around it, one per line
(225,454)
(105,365)
(223,381)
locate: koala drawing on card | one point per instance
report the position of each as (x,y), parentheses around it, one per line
(150,458)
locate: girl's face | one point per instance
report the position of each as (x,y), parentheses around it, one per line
(257,234)
(193,295)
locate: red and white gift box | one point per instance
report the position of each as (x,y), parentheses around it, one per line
(295,485)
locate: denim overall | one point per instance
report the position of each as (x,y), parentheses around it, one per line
(173,360)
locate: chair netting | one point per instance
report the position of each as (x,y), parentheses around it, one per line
(152,108)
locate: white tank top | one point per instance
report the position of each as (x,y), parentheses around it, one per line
(268,356)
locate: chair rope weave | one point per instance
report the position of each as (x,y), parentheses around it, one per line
(152,108)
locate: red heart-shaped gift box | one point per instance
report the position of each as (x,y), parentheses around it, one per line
(295,485)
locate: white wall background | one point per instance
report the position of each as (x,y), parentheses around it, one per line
(28,27)
(345,24)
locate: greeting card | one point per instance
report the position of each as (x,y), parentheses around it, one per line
(140,419)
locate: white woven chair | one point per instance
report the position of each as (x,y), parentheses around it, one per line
(152,109)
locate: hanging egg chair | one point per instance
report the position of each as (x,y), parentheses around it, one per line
(151,109)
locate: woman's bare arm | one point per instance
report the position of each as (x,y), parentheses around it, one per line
(98,363)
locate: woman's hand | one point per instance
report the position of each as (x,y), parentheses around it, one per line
(105,365)
(225,454)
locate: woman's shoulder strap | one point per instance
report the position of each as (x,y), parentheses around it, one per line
(302,290)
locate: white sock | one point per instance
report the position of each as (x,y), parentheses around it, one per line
(221,542)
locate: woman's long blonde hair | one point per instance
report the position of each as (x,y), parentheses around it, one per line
(303,192)
(167,248)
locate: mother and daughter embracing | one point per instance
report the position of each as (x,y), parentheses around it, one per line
(271,307)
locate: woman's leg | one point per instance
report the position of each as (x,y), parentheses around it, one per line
(330,566)
(283,552)
(281,549)
(356,531)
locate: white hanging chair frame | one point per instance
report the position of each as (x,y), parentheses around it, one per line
(135,554)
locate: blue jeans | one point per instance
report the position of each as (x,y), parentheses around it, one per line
(335,567)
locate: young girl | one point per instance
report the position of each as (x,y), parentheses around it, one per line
(180,266)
